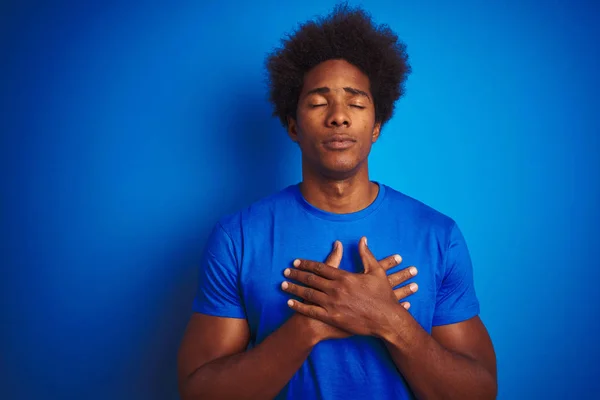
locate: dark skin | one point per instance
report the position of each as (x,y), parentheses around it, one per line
(212,352)
(456,361)
(335,128)
(336,100)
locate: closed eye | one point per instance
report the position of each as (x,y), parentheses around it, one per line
(317,105)
(357,106)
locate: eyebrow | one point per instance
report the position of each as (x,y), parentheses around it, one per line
(354,91)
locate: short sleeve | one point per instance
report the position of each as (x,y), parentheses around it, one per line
(218,290)
(456,300)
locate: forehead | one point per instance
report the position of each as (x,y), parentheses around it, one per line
(335,74)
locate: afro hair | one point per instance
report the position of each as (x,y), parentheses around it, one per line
(347,34)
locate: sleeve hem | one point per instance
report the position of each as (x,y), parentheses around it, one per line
(457,316)
(224,312)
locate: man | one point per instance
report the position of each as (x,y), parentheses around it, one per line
(293,302)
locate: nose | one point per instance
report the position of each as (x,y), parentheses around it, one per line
(338,116)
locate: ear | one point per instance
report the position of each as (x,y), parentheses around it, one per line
(376,132)
(292,129)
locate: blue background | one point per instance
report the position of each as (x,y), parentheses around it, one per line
(129,128)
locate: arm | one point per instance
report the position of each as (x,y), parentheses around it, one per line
(213,354)
(213,363)
(456,362)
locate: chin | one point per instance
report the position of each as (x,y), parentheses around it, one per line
(339,170)
(334,166)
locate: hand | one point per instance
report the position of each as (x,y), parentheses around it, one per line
(322,330)
(356,303)
(399,277)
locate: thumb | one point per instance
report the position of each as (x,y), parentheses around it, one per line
(335,257)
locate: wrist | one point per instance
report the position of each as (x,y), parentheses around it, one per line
(307,329)
(392,329)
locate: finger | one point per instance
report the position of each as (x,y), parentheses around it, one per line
(405,304)
(401,276)
(318,268)
(306,293)
(390,262)
(368,260)
(307,278)
(406,291)
(311,311)
(335,257)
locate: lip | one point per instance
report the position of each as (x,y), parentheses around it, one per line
(339,142)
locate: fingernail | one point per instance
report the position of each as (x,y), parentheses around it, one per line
(413,287)
(290,303)
(365,240)
(296,263)
(397,258)
(413,271)
(284,285)
(406,306)
(286,272)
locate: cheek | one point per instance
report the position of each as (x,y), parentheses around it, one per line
(304,128)
(366,120)
(367,129)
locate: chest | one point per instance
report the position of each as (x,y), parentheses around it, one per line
(264,262)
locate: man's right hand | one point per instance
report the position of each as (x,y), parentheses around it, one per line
(323,331)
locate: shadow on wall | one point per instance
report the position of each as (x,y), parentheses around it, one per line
(249,146)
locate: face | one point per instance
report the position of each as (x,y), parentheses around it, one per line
(335,120)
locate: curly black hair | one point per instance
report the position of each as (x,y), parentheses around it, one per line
(349,34)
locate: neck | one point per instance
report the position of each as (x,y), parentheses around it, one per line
(340,196)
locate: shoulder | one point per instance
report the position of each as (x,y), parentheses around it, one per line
(414,212)
(259,213)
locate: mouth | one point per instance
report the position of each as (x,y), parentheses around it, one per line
(339,142)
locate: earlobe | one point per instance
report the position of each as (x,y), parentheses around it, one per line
(292,129)
(376,132)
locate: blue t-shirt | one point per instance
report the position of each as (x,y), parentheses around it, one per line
(242,270)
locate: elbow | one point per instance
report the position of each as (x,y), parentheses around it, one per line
(183,388)
(190,386)
(490,387)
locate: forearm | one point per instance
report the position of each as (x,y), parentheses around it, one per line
(434,372)
(259,373)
